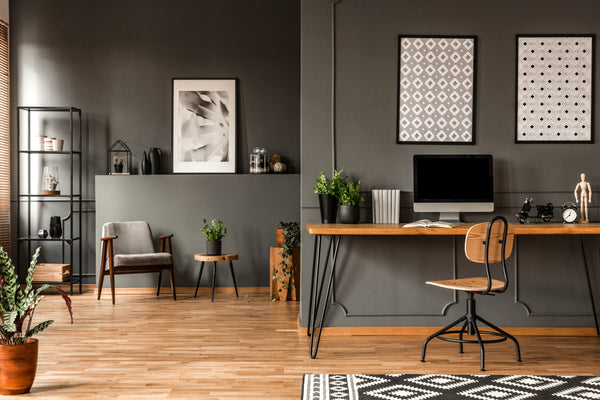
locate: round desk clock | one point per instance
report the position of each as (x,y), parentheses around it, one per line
(569,213)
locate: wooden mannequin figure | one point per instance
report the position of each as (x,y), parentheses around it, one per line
(586,197)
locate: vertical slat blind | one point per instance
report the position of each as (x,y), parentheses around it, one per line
(4,141)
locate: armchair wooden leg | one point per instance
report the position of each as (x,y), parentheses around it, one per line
(112,287)
(100,281)
(158,284)
(173,282)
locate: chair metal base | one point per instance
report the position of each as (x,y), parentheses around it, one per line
(470,326)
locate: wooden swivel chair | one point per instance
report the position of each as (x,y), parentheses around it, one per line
(127,248)
(485,243)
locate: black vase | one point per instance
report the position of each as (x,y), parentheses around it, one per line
(349,214)
(55,227)
(213,247)
(328,206)
(145,167)
(154,155)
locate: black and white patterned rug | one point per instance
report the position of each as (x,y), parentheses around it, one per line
(420,387)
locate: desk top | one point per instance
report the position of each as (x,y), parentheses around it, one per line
(551,228)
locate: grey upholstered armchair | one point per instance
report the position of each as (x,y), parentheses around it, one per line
(127,248)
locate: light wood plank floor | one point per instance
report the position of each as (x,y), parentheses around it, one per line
(248,348)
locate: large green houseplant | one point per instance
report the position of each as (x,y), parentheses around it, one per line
(18,349)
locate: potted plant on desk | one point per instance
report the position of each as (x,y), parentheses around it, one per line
(18,350)
(284,271)
(349,198)
(328,195)
(214,233)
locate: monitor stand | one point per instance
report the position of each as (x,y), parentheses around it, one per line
(450,217)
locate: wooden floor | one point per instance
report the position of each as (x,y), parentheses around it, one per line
(248,348)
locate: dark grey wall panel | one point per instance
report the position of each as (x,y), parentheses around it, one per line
(115,59)
(249,205)
(366,61)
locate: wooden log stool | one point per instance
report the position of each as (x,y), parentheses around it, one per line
(203,257)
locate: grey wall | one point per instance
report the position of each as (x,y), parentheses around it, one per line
(381,280)
(250,207)
(116,59)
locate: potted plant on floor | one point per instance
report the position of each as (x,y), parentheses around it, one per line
(349,198)
(18,349)
(328,195)
(214,232)
(284,271)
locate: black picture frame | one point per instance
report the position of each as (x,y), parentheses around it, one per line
(533,106)
(466,137)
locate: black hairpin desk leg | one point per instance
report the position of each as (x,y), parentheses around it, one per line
(589,284)
(317,293)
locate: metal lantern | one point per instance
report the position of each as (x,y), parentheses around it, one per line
(118,160)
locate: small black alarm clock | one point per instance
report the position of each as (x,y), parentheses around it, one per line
(569,213)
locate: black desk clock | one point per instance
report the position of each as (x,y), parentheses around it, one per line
(569,213)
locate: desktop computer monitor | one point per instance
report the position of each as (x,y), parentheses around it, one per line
(451,184)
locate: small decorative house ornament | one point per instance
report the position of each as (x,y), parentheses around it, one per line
(586,197)
(118,160)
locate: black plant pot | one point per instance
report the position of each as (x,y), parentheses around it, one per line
(349,214)
(328,205)
(55,227)
(213,247)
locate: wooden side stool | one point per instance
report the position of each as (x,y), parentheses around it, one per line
(203,257)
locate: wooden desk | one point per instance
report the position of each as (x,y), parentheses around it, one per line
(336,231)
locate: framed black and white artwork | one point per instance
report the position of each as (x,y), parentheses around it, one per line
(204,122)
(436,89)
(554,89)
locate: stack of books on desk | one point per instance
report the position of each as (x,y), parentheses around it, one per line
(386,206)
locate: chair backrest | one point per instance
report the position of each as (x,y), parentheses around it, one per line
(134,237)
(477,236)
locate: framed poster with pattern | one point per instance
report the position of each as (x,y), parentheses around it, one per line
(436,89)
(554,89)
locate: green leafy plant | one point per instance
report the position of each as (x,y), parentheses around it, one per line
(17,304)
(322,186)
(350,194)
(213,230)
(291,232)
(54,179)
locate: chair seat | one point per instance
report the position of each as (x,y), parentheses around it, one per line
(468,284)
(149,259)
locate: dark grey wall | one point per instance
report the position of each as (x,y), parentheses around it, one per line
(250,207)
(115,60)
(382,279)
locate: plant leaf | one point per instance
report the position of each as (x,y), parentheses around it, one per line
(37,329)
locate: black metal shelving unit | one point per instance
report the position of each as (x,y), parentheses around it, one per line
(70,201)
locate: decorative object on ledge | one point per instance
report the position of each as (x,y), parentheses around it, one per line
(436,86)
(204,125)
(42,234)
(50,181)
(554,88)
(259,163)
(349,198)
(118,161)
(386,206)
(585,190)
(154,155)
(277,165)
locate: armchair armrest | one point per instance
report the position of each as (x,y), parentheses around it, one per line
(165,243)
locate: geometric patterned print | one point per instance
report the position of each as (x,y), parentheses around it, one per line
(554,88)
(421,387)
(435,89)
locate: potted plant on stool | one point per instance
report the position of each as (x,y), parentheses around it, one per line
(349,198)
(18,350)
(214,233)
(288,238)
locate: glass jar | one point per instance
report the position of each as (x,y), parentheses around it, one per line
(259,163)
(50,181)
